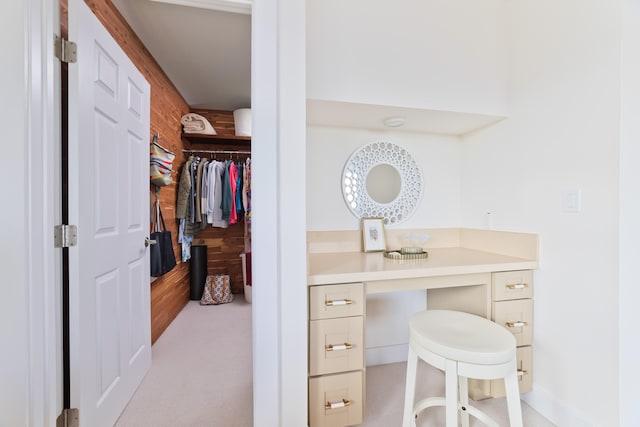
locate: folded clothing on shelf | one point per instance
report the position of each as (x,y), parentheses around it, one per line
(195,123)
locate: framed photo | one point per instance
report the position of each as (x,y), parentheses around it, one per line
(373,234)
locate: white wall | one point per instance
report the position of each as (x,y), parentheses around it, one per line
(14,404)
(30,389)
(563,133)
(443,55)
(328,150)
(629,214)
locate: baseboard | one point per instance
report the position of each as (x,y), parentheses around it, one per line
(550,408)
(387,354)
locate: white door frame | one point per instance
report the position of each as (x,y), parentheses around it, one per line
(31,390)
(278,154)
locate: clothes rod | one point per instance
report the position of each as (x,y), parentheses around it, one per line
(216,151)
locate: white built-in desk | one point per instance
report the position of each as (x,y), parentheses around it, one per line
(484,272)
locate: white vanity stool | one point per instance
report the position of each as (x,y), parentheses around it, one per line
(463,346)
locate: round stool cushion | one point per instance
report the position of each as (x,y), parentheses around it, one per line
(464,337)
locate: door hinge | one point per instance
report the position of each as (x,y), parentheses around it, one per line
(65,236)
(66,51)
(69,417)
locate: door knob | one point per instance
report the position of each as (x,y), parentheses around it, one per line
(148,241)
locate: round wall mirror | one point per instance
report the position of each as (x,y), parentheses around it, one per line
(383,183)
(382,180)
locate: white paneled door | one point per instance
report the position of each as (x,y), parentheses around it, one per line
(109,308)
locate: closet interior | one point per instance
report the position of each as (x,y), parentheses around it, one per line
(224,243)
(227,235)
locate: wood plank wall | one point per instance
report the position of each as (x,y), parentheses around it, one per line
(170,293)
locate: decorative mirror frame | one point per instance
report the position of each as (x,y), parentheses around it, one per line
(354,177)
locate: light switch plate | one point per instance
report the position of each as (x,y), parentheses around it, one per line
(571,201)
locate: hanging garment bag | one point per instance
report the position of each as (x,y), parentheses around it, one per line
(162,257)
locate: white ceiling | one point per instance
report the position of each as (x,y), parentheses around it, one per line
(205,53)
(204,47)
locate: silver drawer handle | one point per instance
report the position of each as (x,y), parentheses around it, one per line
(334,405)
(332,303)
(518,286)
(336,347)
(517,324)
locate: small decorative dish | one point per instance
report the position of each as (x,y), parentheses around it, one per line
(411,250)
(401,255)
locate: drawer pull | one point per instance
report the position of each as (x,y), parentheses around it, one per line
(336,347)
(518,286)
(333,405)
(332,303)
(522,372)
(518,324)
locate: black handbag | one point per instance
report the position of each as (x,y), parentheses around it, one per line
(162,257)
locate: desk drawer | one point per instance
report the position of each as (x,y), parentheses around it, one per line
(336,345)
(330,301)
(525,374)
(517,316)
(508,285)
(336,400)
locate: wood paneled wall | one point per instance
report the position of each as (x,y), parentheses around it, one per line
(170,293)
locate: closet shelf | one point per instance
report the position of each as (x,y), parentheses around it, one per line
(213,139)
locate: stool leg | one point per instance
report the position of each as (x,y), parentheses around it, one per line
(451,392)
(513,398)
(464,400)
(408,419)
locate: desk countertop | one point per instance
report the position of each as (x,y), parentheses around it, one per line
(348,267)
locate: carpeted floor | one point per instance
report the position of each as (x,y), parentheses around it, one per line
(201,371)
(201,377)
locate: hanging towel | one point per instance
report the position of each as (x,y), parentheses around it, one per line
(195,123)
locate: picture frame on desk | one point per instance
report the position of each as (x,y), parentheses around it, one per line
(373,239)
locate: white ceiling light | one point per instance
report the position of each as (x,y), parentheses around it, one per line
(234,6)
(394,122)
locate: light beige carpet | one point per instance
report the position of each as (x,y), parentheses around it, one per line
(201,377)
(201,371)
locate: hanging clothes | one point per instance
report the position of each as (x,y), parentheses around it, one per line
(198,195)
(215,193)
(239,183)
(246,190)
(216,204)
(229,193)
(184,187)
(184,191)
(233,181)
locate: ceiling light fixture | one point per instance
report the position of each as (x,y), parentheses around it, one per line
(394,122)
